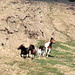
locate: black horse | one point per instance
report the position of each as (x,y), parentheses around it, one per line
(27,51)
(24,50)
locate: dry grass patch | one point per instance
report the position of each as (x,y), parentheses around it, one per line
(65,69)
(71,47)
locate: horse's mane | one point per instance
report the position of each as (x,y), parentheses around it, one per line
(31,47)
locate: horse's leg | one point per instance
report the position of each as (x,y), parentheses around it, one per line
(33,56)
(47,54)
(21,55)
(29,54)
(43,53)
(39,52)
(47,51)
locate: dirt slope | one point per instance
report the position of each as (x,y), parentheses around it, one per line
(25,22)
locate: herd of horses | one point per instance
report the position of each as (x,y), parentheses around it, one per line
(30,51)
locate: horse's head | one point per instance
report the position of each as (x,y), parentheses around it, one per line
(31,47)
(42,47)
(21,47)
(52,40)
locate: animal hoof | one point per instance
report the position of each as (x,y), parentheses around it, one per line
(46,55)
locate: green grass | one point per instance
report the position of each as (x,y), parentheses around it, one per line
(40,42)
(64,47)
(70,44)
(64,56)
(45,66)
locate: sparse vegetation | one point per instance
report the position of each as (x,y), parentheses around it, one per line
(61,62)
(29,22)
(40,42)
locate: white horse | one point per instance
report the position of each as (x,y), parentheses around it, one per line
(41,51)
(48,46)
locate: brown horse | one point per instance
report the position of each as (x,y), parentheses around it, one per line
(48,46)
(32,50)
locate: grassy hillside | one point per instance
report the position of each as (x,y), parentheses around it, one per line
(62,62)
(26,22)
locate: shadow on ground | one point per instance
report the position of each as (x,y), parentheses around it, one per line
(50,56)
